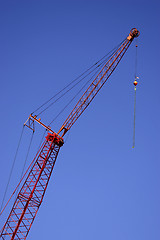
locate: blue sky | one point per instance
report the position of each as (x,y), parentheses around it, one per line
(100,188)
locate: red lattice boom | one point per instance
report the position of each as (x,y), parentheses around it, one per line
(32,192)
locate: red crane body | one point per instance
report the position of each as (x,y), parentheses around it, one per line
(32,192)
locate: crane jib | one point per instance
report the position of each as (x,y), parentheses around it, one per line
(98,82)
(33,189)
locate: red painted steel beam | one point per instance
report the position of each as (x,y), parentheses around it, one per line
(32,192)
(98,82)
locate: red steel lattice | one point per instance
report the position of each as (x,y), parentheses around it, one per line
(32,192)
(98,82)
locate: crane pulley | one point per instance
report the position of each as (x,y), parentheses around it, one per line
(33,189)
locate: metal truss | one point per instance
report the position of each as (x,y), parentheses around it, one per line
(32,192)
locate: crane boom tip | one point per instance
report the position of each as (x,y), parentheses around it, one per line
(134,33)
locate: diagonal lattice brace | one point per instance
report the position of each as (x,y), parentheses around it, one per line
(32,192)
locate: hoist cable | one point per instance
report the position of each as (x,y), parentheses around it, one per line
(14,160)
(135,89)
(22,179)
(112,51)
(136,58)
(134,122)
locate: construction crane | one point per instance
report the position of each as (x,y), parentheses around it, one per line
(31,194)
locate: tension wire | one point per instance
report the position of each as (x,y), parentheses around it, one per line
(31,164)
(134,122)
(14,160)
(79,79)
(26,159)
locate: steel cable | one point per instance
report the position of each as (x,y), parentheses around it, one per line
(135,89)
(26,159)
(14,160)
(104,58)
(134,122)
(72,99)
(31,164)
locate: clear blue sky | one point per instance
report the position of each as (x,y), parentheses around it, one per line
(101,188)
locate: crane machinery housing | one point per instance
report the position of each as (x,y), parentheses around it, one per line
(31,194)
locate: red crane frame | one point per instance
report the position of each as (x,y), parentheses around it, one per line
(32,192)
